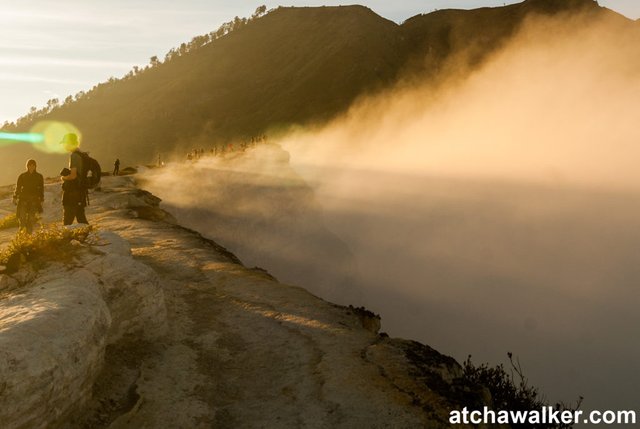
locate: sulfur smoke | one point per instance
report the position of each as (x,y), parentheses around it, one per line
(497,211)
(559,103)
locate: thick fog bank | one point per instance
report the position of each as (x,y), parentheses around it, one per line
(498,212)
(255,205)
(549,273)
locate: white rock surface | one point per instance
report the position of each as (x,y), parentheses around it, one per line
(56,325)
(52,340)
(130,289)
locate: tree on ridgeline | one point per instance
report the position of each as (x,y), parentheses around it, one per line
(261,10)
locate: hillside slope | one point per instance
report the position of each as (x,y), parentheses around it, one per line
(293,66)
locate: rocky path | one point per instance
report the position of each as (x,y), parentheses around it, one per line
(241,350)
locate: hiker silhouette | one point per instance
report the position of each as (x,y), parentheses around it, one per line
(29,196)
(74,193)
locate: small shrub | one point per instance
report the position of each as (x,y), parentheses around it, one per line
(50,242)
(9,221)
(511,391)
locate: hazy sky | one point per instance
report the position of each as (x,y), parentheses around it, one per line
(54,49)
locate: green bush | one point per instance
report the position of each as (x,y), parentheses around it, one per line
(511,391)
(9,221)
(49,242)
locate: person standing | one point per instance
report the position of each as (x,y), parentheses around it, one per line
(74,192)
(116,167)
(29,196)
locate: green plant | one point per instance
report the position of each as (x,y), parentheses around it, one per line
(9,221)
(511,391)
(50,242)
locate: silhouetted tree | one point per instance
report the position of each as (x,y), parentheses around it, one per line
(53,103)
(261,10)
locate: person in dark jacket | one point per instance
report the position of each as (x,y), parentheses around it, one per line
(116,167)
(74,192)
(29,196)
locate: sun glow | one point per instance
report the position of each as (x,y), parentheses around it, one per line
(44,136)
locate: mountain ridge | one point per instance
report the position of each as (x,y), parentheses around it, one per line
(290,67)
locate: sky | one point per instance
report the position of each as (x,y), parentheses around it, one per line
(55,49)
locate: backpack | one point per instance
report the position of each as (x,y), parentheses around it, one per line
(91,171)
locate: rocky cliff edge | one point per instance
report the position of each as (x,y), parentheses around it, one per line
(150,325)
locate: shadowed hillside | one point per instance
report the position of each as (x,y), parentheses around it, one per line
(472,35)
(293,66)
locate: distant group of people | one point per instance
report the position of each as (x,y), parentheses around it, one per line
(221,150)
(29,192)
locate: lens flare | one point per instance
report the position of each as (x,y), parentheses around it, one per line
(52,132)
(44,136)
(12,138)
